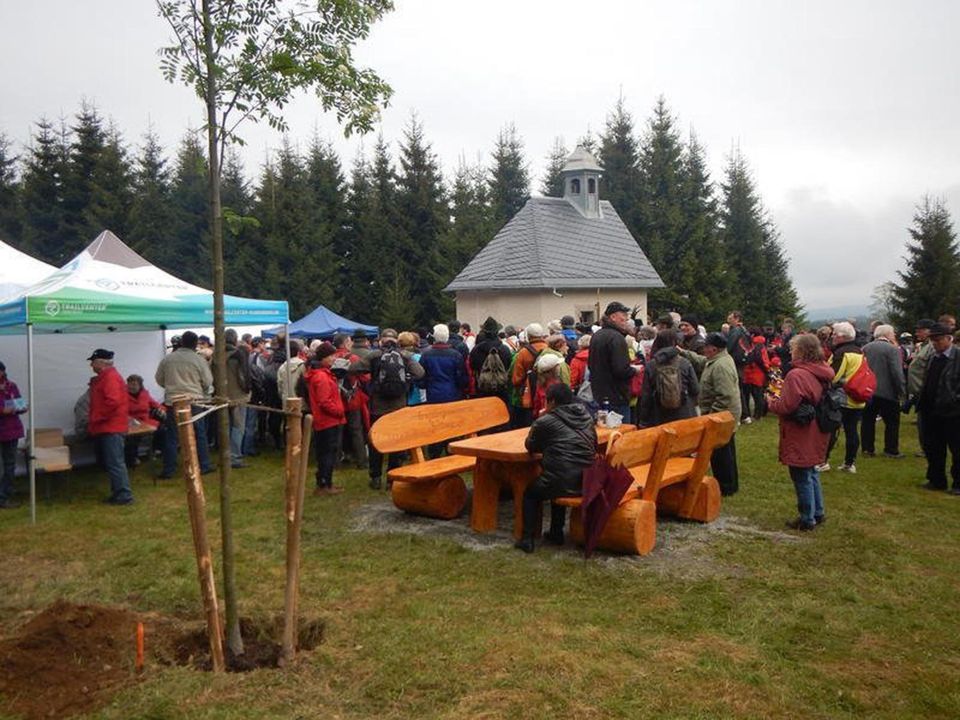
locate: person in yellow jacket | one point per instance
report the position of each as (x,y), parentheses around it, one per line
(845,361)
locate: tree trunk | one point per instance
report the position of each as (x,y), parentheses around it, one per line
(234,639)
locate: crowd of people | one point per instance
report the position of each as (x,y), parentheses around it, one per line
(557,380)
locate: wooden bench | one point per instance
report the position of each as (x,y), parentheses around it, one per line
(434,487)
(669,465)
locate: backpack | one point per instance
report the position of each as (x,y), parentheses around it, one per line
(492,379)
(668,387)
(829,417)
(257,381)
(529,390)
(741,349)
(242,360)
(392,376)
(862,384)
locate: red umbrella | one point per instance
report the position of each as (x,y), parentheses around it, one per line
(604,485)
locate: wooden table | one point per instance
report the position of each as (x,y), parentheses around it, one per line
(503,458)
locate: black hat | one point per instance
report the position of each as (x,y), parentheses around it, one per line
(688,319)
(717,340)
(939,330)
(101,354)
(615,307)
(359,334)
(567,321)
(925,324)
(490,326)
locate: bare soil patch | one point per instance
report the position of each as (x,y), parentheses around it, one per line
(70,659)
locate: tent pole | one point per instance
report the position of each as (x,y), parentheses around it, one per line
(31,437)
(290,390)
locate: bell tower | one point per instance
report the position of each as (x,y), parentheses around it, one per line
(581,182)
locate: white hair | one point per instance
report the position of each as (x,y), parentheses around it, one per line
(535,330)
(441,333)
(844,330)
(547,362)
(584,341)
(881,331)
(554,326)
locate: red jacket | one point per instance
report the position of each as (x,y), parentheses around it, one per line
(359,399)
(578,368)
(326,405)
(753,373)
(802,445)
(108,403)
(140,406)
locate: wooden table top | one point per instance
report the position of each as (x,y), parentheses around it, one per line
(509,446)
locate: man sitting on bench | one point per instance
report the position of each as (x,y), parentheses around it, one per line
(566,437)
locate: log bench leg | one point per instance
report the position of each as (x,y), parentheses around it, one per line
(706,506)
(519,475)
(444,498)
(631,529)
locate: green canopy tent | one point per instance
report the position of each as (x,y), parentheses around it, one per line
(109,287)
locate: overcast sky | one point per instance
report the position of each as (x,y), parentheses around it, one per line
(846,111)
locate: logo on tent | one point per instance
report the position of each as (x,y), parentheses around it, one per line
(107,284)
(52,308)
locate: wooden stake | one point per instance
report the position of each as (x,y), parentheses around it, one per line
(294,453)
(196,505)
(139,648)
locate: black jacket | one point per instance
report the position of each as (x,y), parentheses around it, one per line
(567,438)
(609,365)
(479,354)
(940,394)
(651,412)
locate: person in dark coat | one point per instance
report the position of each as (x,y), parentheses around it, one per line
(802,446)
(444,367)
(489,341)
(456,339)
(939,401)
(665,352)
(609,361)
(11,430)
(567,438)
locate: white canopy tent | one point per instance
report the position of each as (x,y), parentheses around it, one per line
(110,288)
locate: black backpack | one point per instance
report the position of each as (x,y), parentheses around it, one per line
(826,412)
(391,382)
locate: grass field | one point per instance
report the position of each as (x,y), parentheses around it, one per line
(740,620)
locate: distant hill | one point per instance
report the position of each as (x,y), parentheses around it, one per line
(819,316)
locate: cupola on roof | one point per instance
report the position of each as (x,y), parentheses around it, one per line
(580,160)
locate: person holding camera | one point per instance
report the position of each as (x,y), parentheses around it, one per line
(802,444)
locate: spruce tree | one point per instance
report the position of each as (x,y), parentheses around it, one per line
(42,195)
(357,260)
(552,184)
(659,217)
(151,214)
(509,179)
(702,281)
(11,225)
(242,240)
(186,254)
(111,189)
(425,218)
(619,155)
(87,146)
(325,184)
(929,285)
(762,287)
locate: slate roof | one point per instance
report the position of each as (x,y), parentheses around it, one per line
(549,244)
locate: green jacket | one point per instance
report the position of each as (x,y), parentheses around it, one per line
(719,383)
(917,371)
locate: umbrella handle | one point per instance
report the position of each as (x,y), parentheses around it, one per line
(614,436)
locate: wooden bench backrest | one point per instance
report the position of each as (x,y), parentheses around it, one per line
(421,425)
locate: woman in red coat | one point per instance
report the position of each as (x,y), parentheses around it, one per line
(802,445)
(329,417)
(143,410)
(755,374)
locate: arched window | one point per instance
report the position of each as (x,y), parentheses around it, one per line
(575,186)
(591,186)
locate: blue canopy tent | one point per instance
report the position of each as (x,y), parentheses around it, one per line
(323,323)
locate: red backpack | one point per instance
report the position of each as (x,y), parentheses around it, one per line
(862,384)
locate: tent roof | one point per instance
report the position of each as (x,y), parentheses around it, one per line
(323,322)
(19,271)
(108,285)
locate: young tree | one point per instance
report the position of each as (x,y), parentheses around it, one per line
(509,180)
(245,60)
(552,184)
(930,283)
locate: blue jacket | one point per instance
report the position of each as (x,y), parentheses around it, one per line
(446,373)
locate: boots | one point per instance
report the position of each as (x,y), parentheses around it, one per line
(525,543)
(558,518)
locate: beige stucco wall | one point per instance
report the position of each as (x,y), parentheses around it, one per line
(521,307)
